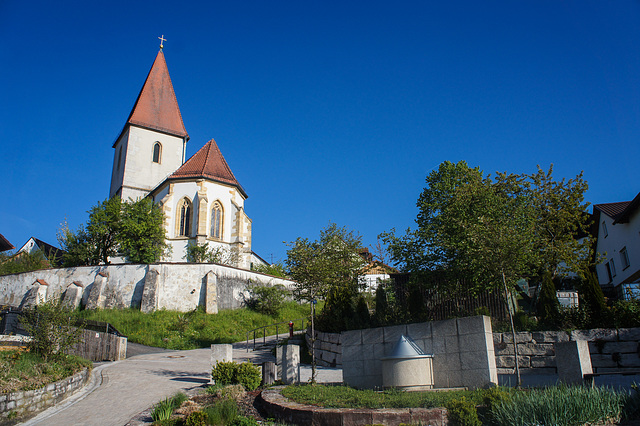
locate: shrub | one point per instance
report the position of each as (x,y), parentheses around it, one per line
(244,421)
(229,373)
(462,412)
(267,300)
(223,373)
(248,375)
(52,328)
(197,418)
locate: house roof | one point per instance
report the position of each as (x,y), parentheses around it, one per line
(620,211)
(52,253)
(5,244)
(157,107)
(208,163)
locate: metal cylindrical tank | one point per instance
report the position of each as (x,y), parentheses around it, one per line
(408,367)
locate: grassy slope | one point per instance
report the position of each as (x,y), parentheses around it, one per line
(191,330)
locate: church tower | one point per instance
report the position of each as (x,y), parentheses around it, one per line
(152,144)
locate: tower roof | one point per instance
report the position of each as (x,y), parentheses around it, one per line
(157,107)
(208,163)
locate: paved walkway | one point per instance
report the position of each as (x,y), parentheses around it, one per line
(119,391)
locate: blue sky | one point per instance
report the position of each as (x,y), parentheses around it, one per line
(324,110)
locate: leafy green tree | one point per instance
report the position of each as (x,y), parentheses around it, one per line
(548,305)
(23,262)
(276,269)
(132,228)
(141,234)
(328,268)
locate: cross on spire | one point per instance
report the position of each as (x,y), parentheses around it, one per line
(162,40)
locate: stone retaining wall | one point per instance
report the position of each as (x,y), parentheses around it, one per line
(174,286)
(23,403)
(611,350)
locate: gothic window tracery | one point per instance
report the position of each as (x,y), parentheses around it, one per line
(216,220)
(184,218)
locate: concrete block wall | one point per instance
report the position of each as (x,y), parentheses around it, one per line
(611,350)
(328,348)
(462,348)
(24,403)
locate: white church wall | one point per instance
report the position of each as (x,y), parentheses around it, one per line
(181,287)
(119,159)
(140,170)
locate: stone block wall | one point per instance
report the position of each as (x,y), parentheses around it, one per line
(328,348)
(25,403)
(611,350)
(462,349)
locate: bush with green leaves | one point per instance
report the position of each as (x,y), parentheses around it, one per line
(462,412)
(223,412)
(197,418)
(267,300)
(23,262)
(275,269)
(230,373)
(204,253)
(52,327)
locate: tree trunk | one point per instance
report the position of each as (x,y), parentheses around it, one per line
(313,343)
(513,331)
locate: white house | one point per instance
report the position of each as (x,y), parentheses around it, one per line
(202,201)
(618,244)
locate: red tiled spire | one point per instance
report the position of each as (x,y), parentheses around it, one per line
(208,163)
(157,107)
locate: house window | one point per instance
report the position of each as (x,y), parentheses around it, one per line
(157,150)
(624,257)
(604,230)
(609,271)
(216,220)
(613,268)
(184,218)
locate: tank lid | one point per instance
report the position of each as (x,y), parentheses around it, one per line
(406,348)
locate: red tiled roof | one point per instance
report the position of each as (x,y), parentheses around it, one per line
(612,209)
(208,163)
(157,107)
(5,244)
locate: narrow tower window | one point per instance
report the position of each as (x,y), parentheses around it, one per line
(216,220)
(157,150)
(184,219)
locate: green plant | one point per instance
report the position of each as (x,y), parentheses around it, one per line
(197,418)
(462,412)
(223,412)
(267,300)
(275,269)
(224,372)
(228,373)
(248,375)
(52,328)
(204,253)
(163,409)
(244,421)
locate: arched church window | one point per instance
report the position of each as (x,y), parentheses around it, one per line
(157,151)
(184,218)
(216,220)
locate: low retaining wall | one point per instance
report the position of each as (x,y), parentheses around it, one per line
(271,401)
(174,286)
(611,350)
(25,403)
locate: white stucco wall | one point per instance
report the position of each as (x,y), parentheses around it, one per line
(180,286)
(139,171)
(618,236)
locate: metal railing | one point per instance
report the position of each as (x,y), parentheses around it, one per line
(264,334)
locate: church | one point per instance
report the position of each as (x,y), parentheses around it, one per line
(202,201)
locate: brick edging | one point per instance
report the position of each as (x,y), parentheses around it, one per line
(271,401)
(28,403)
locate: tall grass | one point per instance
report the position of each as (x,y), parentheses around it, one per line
(163,409)
(195,329)
(561,405)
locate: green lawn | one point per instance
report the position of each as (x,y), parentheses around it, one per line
(21,370)
(195,329)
